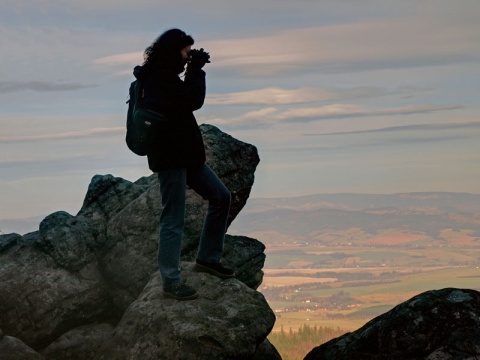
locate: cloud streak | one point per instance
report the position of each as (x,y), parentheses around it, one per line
(64,136)
(40,86)
(131,58)
(371,143)
(302,95)
(270,116)
(418,127)
(336,111)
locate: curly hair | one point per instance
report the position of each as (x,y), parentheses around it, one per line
(165,50)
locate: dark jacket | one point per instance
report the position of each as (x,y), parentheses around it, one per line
(180,143)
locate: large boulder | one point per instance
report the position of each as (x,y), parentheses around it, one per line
(435,325)
(68,240)
(40,300)
(14,349)
(126,217)
(80,343)
(228,321)
(59,285)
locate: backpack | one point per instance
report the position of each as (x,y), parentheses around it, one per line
(143,125)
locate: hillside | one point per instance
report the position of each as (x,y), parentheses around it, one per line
(401,219)
(439,201)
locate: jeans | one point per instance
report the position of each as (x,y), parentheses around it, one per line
(172,220)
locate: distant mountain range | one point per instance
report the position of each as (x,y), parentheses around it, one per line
(357,218)
(420,218)
(439,201)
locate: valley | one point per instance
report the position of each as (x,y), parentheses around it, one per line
(350,286)
(338,261)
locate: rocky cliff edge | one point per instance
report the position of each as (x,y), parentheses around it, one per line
(87,286)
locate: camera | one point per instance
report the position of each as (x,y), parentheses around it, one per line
(199,57)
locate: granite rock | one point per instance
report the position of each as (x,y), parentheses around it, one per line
(437,324)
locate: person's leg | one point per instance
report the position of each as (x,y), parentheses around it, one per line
(212,238)
(172,219)
(206,183)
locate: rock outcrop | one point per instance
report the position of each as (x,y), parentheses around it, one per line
(435,325)
(65,288)
(228,321)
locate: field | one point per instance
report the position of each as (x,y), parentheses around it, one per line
(344,287)
(339,289)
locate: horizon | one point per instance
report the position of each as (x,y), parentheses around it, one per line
(29,224)
(358,97)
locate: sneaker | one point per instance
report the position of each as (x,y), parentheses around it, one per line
(216,269)
(180,292)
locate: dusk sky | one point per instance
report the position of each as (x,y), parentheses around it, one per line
(358,96)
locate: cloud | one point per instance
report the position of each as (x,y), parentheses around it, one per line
(400,42)
(270,95)
(302,148)
(271,116)
(63,136)
(120,65)
(369,45)
(132,58)
(146,5)
(81,33)
(349,111)
(282,96)
(60,58)
(40,86)
(257,119)
(383,145)
(85,164)
(418,127)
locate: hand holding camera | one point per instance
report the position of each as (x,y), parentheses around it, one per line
(198,58)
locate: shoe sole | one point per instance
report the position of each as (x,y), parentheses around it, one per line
(181,298)
(206,269)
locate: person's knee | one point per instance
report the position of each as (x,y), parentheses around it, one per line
(172,225)
(222,198)
(226,197)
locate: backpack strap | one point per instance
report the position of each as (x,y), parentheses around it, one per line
(139,94)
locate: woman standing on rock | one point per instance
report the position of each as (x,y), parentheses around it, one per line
(179,158)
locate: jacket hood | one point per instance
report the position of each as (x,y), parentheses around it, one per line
(139,72)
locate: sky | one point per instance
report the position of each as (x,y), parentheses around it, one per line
(357,96)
